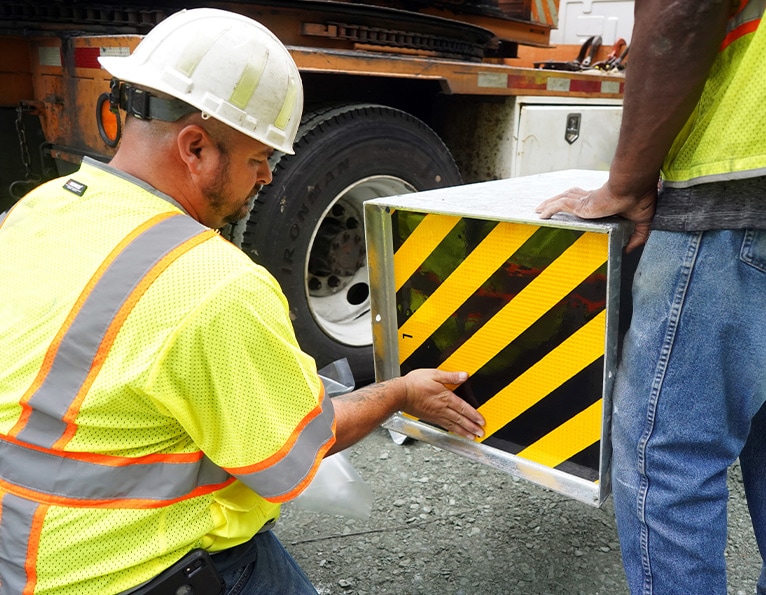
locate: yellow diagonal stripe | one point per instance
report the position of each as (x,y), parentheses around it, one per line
(477,267)
(581,349)
(570,438)
(418,246)
(557,280)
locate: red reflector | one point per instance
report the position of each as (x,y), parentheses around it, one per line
(87,57)
(580,86)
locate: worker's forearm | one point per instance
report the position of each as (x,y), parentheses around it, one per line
(360,412)
(673,47)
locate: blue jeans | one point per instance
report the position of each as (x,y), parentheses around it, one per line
(261,566)
(688,401)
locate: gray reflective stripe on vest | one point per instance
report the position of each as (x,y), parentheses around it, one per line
(82,340)
(16,517)
(284,476)
(100,484)
(753,11)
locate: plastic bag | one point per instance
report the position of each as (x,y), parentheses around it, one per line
(337,377)
(337,488)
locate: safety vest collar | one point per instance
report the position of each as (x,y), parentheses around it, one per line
(133,180)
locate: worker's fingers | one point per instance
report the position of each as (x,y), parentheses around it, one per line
(466,421)
(448,408)
(430,398)
(638,237)
(602,202)
(588,204)
(455,415)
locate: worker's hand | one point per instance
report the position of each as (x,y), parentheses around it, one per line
(429,398)
(593,204)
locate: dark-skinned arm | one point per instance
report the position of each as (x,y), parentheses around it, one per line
(424,393)
(672,50)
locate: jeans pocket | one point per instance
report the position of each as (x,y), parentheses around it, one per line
(236,579)
(754,249)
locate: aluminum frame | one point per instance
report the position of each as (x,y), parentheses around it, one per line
(486,200)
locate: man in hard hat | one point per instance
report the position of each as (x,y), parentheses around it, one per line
(690,391)
(153,398)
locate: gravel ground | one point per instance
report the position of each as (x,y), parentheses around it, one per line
(442,524)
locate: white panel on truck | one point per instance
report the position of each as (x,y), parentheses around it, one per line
(554,135)
(580,19)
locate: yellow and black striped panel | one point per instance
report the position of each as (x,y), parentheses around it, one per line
(522,309)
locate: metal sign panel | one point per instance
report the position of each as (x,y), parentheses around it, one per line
(470,278)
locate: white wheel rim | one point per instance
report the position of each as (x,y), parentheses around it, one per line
(340,303)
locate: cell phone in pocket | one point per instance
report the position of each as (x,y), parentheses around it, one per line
(194,574)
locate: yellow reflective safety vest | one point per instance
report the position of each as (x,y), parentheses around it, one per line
(153,397)
(725,137)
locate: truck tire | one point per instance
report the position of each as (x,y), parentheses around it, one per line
(307,226)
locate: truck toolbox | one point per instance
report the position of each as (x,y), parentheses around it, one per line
(470,278)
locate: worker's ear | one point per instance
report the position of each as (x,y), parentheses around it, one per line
(195,148)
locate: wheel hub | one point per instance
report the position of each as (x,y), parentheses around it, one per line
(337,251)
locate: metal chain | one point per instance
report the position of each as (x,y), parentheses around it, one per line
(18,188)
(23,144)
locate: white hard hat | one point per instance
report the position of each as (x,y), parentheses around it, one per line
(226,65)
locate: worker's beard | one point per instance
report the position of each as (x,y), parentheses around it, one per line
(219,192)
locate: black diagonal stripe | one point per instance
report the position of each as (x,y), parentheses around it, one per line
(403,223)
(584,464)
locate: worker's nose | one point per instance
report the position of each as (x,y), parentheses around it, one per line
(264,175)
